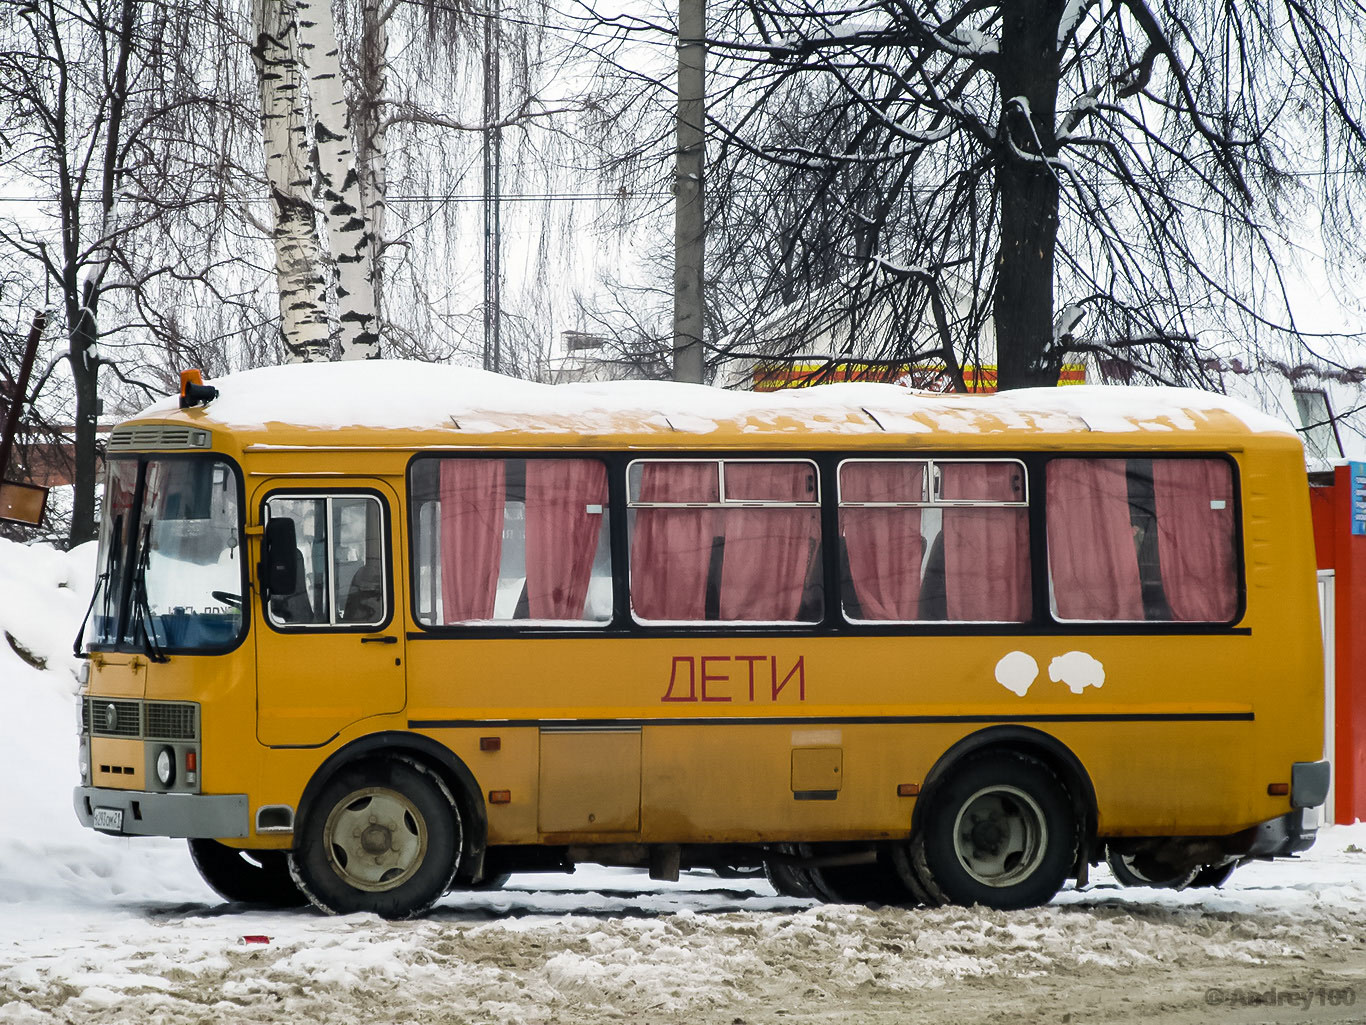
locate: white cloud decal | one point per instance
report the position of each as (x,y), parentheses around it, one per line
(1017,672)
(1078,670)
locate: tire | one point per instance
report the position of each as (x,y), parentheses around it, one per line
(999,831)
(383,837)
(789,879)
(246,877)
(901,861)
(492,882)
(487,883)
(875,883)
(1136,870)
(496,873)
(1212,876)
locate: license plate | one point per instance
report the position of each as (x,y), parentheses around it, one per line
(110,819)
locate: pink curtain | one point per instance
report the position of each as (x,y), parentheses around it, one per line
(565,502)
(884,547)
(986,551)
(472,494)
(1092,561)
(768,552)
(671,548)
(1195,537)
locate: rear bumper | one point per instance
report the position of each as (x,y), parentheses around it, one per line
(1292,833)
(213,816)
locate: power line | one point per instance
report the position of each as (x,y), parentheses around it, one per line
(522,197)
(623,194)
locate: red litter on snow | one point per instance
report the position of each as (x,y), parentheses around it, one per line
(255,939)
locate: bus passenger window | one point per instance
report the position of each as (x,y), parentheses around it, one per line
(935,540)
(359,558)
(1142,539)
(725,540)
(340,562)
(986,543)
(511,541)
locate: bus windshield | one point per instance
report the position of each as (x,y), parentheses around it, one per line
(170,562)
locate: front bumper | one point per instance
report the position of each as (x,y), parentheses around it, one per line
(212,816)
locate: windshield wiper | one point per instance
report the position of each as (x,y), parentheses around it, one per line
(142,609)
(101,582)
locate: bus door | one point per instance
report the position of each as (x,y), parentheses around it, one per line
(329,638)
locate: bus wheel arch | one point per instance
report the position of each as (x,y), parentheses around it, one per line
(1052,791)
(433,757)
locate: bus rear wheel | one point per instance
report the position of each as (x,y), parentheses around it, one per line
(874,882)
(246,877)
(1137,870)
(1211,876)
(1000,831)
(383,837)
(786,875)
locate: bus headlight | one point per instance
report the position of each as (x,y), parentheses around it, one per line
(166,766)
(83,763)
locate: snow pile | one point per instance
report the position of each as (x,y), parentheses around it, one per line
(406,395)
(46,856)
(43,594)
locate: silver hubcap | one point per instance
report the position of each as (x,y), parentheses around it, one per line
(1000,835)
(376,839)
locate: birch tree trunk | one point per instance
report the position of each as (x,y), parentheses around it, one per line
(285,137)
(338,183)
(371,153)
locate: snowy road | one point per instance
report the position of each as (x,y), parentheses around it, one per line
(130,935)
(95,929)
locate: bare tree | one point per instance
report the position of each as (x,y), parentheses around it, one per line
(119,143)
(1032,180)
(419,124)
(375,117)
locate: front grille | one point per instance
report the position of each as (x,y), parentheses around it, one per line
(157,437)
(149,720)
(115,718)
(167,721)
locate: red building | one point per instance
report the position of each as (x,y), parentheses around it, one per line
(1342,591)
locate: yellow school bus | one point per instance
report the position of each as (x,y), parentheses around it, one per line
(368,633)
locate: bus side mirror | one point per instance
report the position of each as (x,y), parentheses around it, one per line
(279,558)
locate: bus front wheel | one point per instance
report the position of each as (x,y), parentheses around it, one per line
(246,877)
(382,837)
(1000,831)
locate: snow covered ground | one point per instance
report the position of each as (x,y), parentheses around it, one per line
(95,929)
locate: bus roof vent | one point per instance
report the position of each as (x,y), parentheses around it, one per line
(157,437)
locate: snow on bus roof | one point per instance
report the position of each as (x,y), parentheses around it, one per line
(406,395)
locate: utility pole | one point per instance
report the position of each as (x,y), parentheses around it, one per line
(493,159)
(689,222)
